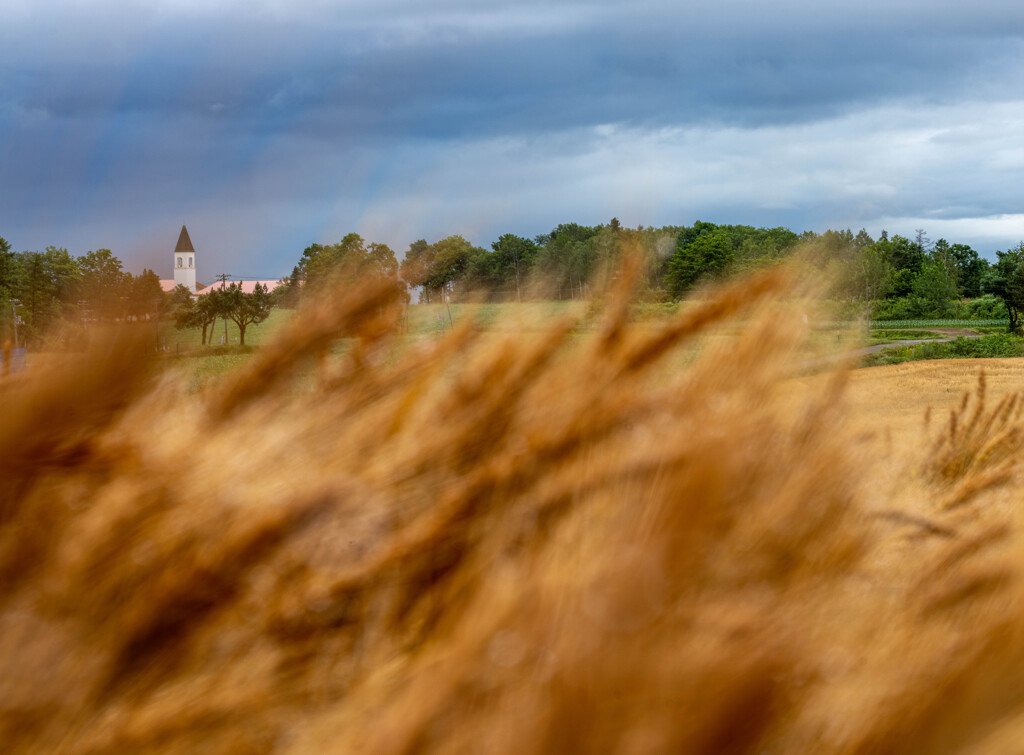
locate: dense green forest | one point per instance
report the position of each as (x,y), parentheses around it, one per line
(888,278)
(43,289)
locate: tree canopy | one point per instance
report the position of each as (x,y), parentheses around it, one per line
(245,309)
(893,276)
(324,265)
(1005,279)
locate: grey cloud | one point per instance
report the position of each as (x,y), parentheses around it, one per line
(408,118)
(483,86)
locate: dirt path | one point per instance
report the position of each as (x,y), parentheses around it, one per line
(952,335)
(894,344)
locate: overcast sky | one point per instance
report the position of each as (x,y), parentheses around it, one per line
(268,125)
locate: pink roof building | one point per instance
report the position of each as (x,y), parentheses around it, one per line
(184,255)
(247,286)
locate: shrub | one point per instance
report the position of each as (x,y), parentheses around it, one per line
(992,346)
(987,307)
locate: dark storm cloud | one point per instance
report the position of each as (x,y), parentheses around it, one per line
(374,81)
(322,118)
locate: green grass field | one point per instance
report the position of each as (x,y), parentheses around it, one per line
(203,364)
(426,319)
(178,341)
(887,336)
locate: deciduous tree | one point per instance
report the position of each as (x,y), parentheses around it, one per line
(1005,279)
(246,309)
(706,256)
(196,312)
(341,264)
(145,297)
(102,288)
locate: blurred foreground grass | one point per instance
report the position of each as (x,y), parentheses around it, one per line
(204,363)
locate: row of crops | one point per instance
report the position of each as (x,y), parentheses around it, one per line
(910,324)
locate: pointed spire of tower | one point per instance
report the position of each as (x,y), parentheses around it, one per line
(185,262)
(184,242)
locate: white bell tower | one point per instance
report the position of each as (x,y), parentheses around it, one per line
(185,262)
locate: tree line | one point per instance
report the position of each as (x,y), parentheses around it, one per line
(889,277)
(39,290)
(42,289)
(892,277)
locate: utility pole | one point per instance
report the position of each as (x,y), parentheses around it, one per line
(223,285)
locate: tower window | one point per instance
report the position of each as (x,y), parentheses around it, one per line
(179,261)
(190,262)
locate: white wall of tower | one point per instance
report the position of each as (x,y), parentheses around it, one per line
(185,270)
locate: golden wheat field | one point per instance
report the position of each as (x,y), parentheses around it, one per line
(512,541)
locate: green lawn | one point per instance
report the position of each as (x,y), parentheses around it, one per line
(427,319)
(423,320)
(887,336)
(200,370)
(203,364)
(191,339)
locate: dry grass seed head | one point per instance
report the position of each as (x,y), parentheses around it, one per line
(519,545)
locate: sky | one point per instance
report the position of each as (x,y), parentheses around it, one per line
(268,125)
